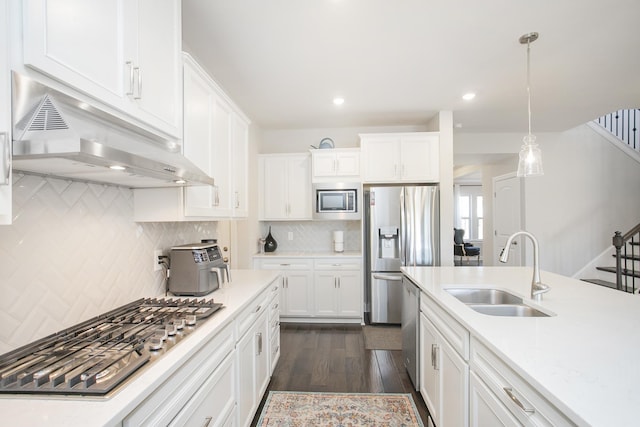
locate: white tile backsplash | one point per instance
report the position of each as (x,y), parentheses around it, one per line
(73,252)
(313,236)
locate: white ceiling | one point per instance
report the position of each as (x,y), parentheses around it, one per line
(398,62)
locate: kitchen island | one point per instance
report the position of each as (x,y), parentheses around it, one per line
(149,384)
(581,358)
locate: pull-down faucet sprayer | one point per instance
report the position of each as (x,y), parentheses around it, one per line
(537,287)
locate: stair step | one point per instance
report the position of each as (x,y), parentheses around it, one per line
(600,282)
(624,272)
(635,257)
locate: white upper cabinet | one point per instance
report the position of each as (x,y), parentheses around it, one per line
(240,167)
(216,138)
(332,164)
(124,53)
(285,186)
(5,137)
(401,157)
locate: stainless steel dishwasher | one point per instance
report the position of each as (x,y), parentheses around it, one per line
(410,315)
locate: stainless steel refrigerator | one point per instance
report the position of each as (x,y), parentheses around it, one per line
(402,227)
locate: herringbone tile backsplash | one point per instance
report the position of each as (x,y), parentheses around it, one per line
(73,252)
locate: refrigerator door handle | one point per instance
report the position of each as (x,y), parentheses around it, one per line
(387,277)
(403,229)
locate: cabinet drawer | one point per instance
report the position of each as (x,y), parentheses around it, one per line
(454,332)
(285,264)
(250,314)
(522,400)
(338,264)
(170,397)
(215,400)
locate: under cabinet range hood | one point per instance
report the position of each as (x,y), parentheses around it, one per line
(57,135)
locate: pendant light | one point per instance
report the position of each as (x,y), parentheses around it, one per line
(530,157)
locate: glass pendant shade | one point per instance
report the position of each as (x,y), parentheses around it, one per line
(530,162)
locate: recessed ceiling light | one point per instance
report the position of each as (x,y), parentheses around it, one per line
(468,96)
(338,101)
(117,167)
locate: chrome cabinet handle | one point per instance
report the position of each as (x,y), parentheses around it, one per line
(339,283)
(259,336)
(237,199)
(207,421)
(434,356)
(257,309)
(7,158)
(139,71)
(131,78)
(275,288)
(515,400)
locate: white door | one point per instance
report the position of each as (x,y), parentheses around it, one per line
(507,217)
(429,376)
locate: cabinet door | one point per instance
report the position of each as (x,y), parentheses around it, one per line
(326,294)
(419,158)
(454,372)
(299,189)
(350,293)
(214,401)
(80,43)
(247,365)
(274,188)
(159,44)
(198,137)
(240,160)
(221,151)
(381,159)
(324,163)
(296,293)
(429,376)
(485,409)
(348,164)
(263,373)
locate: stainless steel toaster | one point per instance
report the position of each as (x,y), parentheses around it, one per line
(196,269)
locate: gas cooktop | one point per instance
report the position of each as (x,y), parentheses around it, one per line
(94,357)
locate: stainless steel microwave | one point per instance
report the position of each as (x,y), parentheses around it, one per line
(336,201)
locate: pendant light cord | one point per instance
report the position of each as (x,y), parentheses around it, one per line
(529,83)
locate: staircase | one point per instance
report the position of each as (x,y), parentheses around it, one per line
(624,124)
(627,260)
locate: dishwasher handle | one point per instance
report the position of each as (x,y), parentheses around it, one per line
(388,277)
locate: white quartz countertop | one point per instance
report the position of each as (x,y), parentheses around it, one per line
(583,359)
(27,411)
(305,254)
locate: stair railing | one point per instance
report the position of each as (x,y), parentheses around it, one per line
(624,124)
(625,261)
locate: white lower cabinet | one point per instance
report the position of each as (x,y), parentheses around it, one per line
(338,288)
(326,289)
(253,354)
(507,392)
(214,404)
(444,373)
(484,407)
(194,385)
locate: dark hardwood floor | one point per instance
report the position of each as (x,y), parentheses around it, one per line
(333,358)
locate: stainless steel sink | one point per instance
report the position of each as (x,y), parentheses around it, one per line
(495,302)
(513,310)
(484,296)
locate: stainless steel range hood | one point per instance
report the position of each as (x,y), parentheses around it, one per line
(57,135)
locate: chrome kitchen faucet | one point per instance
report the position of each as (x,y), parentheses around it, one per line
(537,287)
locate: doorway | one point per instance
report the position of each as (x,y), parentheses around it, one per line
(508,201)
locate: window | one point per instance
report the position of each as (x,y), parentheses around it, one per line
(469,211)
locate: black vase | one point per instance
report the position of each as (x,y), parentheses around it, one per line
(270,243)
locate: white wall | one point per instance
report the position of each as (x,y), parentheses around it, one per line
(589,190)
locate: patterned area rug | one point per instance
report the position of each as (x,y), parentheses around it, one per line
(293,409)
